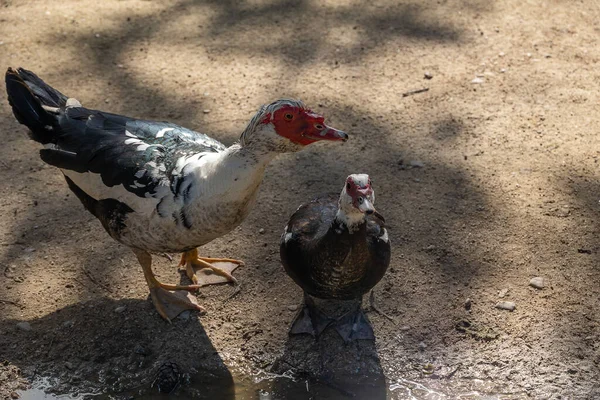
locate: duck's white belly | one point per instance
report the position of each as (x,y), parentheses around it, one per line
(214,218)
(218,195)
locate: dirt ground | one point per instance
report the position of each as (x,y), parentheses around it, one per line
(488,179)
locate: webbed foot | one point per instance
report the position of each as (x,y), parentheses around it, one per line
(209,271)
(345,316)
(170,304)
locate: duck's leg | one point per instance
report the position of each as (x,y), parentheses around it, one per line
(345,316)
(208,271)
(169,300)
(310,319)
(354,325)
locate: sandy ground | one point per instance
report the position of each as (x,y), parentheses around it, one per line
(483,185)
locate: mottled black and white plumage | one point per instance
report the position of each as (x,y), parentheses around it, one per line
(139,155)
(336,247)
(141,166)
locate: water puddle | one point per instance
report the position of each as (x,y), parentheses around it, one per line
(472,389)
(266,386)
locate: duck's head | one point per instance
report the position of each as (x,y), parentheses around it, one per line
(356,200)
(288,125)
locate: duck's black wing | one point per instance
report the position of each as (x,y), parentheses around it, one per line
(137,154)
(310,247)
(378,243)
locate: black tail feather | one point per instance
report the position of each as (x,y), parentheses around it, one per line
(46,93)
(27,93)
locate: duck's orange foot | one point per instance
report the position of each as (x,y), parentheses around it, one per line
(209,271)
(170,303)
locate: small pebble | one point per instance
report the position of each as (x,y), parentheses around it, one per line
(417,164)
(478,80)
(206,111)
(428,75)
(262,395)
(506,305)
(24,326)
(69,365)
(502,293)
(261,231)
(422,346)
(537,282)
(14,395)
(120,309)
(68,324)
(468,304)
(293,307)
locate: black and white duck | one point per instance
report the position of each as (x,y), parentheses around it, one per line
(158,187)
(336,248)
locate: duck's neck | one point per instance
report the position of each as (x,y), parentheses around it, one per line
(248,157)
(233,175)
(351,220)
(240,168)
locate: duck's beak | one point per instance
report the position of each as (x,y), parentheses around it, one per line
(327,133)
(366,207)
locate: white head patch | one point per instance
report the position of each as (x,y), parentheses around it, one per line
(347,212)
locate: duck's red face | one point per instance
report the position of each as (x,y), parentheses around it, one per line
(358,187)
(302,126)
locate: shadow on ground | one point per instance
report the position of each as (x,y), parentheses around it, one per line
(79,349)
(289,33)
(330,368)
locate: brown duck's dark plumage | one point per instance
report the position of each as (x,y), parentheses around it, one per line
(325,259)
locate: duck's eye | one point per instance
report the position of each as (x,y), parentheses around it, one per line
(360,200)
(288,116)
(319,127)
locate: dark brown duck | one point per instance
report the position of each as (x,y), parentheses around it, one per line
(336,249)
